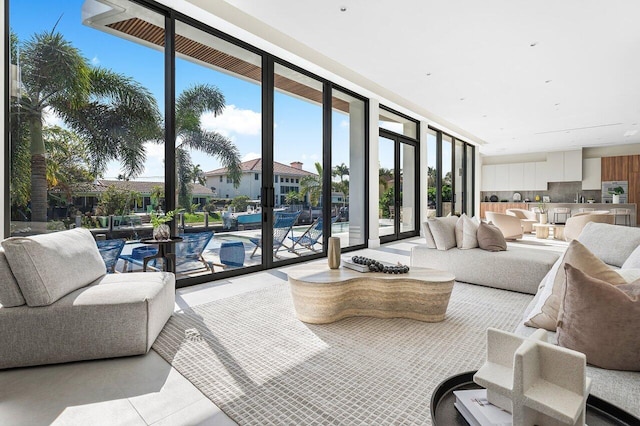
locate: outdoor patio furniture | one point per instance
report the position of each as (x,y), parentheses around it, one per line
(231,254)
(189,252)
(110,251)
(282,225)
(310,236)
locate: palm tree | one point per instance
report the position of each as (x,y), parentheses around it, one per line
(197,175)
(112,114)
(341,170)
(385,176)
(190,105)
(312,185)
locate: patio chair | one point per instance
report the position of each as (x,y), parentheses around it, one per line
(189,252)
(310,236)
(231,255)
(282,225)
(110,251)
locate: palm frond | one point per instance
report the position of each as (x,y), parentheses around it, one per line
(216,145)
(195,101)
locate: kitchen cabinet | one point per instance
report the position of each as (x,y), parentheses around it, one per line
(615,168)
(541,176)
(502,178)
(516,177)
(488,178)
(564,166)
(591,171)
(529,176)
(500,207)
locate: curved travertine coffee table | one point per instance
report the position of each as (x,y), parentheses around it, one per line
(322,295)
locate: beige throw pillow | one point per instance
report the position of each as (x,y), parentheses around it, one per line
(428,236)
(467,232)
(443,230)
(545,313)
(490,238)
(601,320)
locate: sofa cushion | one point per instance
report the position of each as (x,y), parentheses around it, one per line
(633,261)
(10,294)
(490,238)
(428,236)
(443,230)
(600,320)
(613,244)
(545,314)
(467,232)
(50,266)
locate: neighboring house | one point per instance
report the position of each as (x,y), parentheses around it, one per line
(87,196)
(286,179)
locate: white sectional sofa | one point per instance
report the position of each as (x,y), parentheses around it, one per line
(59,305)
(523,270)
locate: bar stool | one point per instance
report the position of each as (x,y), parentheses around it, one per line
(586,210)
(625,213)
(564,211)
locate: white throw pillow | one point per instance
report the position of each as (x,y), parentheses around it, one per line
(47,267)
(633,261)
(467,232)
(428,236)
(443,230)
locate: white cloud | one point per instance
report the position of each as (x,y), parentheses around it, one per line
(233,120)
(155,151)
(250,156)
(344,123)
(95,61)
(51,118)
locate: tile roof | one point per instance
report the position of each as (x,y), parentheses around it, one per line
(256,166)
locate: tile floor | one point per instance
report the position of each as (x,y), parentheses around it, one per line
(144,390)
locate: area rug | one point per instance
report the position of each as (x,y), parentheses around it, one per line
(259,364)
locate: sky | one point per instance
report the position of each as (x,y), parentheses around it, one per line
(298,123)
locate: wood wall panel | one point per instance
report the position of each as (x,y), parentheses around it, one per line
(615,168)
(634,191)
(634,164)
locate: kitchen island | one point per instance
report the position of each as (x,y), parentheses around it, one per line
(575,208)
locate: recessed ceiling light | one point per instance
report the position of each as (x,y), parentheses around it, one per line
(485,115)
(547,81)
(462,99)
(428,74)
(630,133)
(534,44)
(634,124)
(557,104)
(343,8)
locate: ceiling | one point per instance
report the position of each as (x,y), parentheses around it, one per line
(514,76)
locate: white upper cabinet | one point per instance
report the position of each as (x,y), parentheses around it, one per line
(502,178)
(591,173)
(564,166)
(514,177)
(529,176)
(488,178)
(541,176)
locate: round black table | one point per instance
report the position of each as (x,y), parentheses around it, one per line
(162,252)
(443,413)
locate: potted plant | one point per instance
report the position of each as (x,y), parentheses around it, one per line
(161,230)
(616,192)
(542,208)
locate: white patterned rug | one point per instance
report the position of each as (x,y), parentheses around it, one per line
(259,364)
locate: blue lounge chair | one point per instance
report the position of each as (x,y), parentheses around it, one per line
(110,251)
(310,237)
(189,252)
(282,225)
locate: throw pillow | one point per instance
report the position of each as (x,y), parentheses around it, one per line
(50,266)
(10,294)
(612,244)
(490,238)
(443,230)
(467,232)
(545,314)
(600,320)
(633,261)
(428,236)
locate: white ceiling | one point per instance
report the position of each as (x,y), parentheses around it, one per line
(578,86)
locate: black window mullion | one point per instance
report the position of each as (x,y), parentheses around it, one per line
(268,187)
(326,161)
(438,174)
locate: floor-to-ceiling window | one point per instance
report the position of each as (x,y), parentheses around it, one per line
(450,171)
(397,159)
(144,73)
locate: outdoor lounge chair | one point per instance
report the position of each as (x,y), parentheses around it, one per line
(110,251)
(189,252)
(310,236)
(282,225)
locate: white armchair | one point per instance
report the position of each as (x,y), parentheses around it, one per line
(527,217)
(510,226)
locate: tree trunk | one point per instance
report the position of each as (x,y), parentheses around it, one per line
(38,172)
